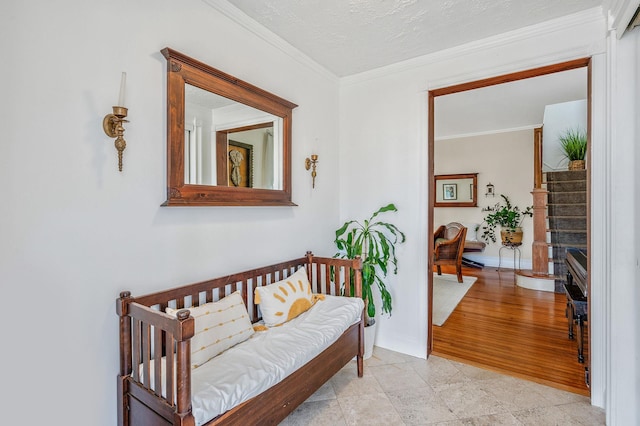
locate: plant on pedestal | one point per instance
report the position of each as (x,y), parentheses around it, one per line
(510,218)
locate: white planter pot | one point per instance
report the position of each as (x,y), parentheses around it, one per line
(369,340)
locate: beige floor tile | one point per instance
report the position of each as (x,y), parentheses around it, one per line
(470,400)
(514,394)
(543,416)
(381,356)
(372,409)
(316,413)
(420,406)
(439,371)
(556,396)
(346,383)
(397,376)
(476,373)
(402,390)
(584,413)
(503,419)
(325,392)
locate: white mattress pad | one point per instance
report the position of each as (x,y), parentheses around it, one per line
(253,366)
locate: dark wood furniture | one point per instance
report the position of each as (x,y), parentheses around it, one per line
(576,290)
(183,70)
(147,334)
(448,247)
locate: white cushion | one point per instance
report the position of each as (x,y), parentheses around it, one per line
(285,299)
(218,326)
(472,229)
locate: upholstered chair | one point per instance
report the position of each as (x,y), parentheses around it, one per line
(448,247)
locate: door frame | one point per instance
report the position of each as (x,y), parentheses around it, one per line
(492,81)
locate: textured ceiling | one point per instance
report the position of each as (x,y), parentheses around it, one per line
(352,36)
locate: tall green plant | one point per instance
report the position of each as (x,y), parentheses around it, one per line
(374,241)
(574,144)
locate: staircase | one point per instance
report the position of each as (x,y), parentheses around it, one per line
(567,215)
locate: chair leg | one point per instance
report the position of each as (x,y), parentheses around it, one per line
(439,269)
(459,272)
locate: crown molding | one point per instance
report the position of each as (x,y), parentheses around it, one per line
(589,16)
(250,24)
(488,132)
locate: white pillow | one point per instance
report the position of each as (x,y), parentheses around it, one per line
(472,229)
(218,326)
(285,299)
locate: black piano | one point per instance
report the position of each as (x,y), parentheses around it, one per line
(576,290)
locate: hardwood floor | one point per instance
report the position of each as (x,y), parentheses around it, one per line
(512,330)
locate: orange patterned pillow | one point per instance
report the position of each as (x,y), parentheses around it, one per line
(285,299)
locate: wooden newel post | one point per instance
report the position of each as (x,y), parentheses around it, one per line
(540,249)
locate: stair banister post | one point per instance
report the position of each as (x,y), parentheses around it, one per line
(540,248)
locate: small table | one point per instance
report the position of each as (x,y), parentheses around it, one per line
(515,247)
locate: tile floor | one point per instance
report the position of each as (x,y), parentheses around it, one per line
(398,389)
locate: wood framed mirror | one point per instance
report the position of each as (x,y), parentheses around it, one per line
(458,190)
(228,142)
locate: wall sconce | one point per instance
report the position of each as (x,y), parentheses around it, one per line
(113,123)
(310,163)
(490,191)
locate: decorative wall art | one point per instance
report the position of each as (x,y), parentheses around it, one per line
(240,158)
(449,191)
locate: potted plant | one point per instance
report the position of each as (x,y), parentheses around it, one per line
(574,146)
(374,241)
(508,217)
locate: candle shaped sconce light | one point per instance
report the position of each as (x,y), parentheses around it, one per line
(310,163)
(113,123)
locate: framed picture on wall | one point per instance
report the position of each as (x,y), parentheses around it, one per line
(240,158)
(449,191)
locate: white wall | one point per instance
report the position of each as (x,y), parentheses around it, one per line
(558,119)
(76,232)
(383,124)
(621,242)
(383,133)
(506,160)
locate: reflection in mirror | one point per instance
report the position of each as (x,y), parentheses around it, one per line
(458,190)
(228,142)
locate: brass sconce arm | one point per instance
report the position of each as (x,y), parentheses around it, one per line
(310,163)
(114,128)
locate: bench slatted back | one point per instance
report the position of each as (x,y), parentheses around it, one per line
(151,339)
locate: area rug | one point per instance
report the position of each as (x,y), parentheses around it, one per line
(447,293)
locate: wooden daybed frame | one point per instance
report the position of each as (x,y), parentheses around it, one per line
(146,332)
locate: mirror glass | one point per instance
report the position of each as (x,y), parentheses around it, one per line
(228,142)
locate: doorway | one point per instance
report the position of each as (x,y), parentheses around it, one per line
(481,84)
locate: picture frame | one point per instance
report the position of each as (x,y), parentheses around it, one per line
(455,190)
(449,191)
(240,164)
